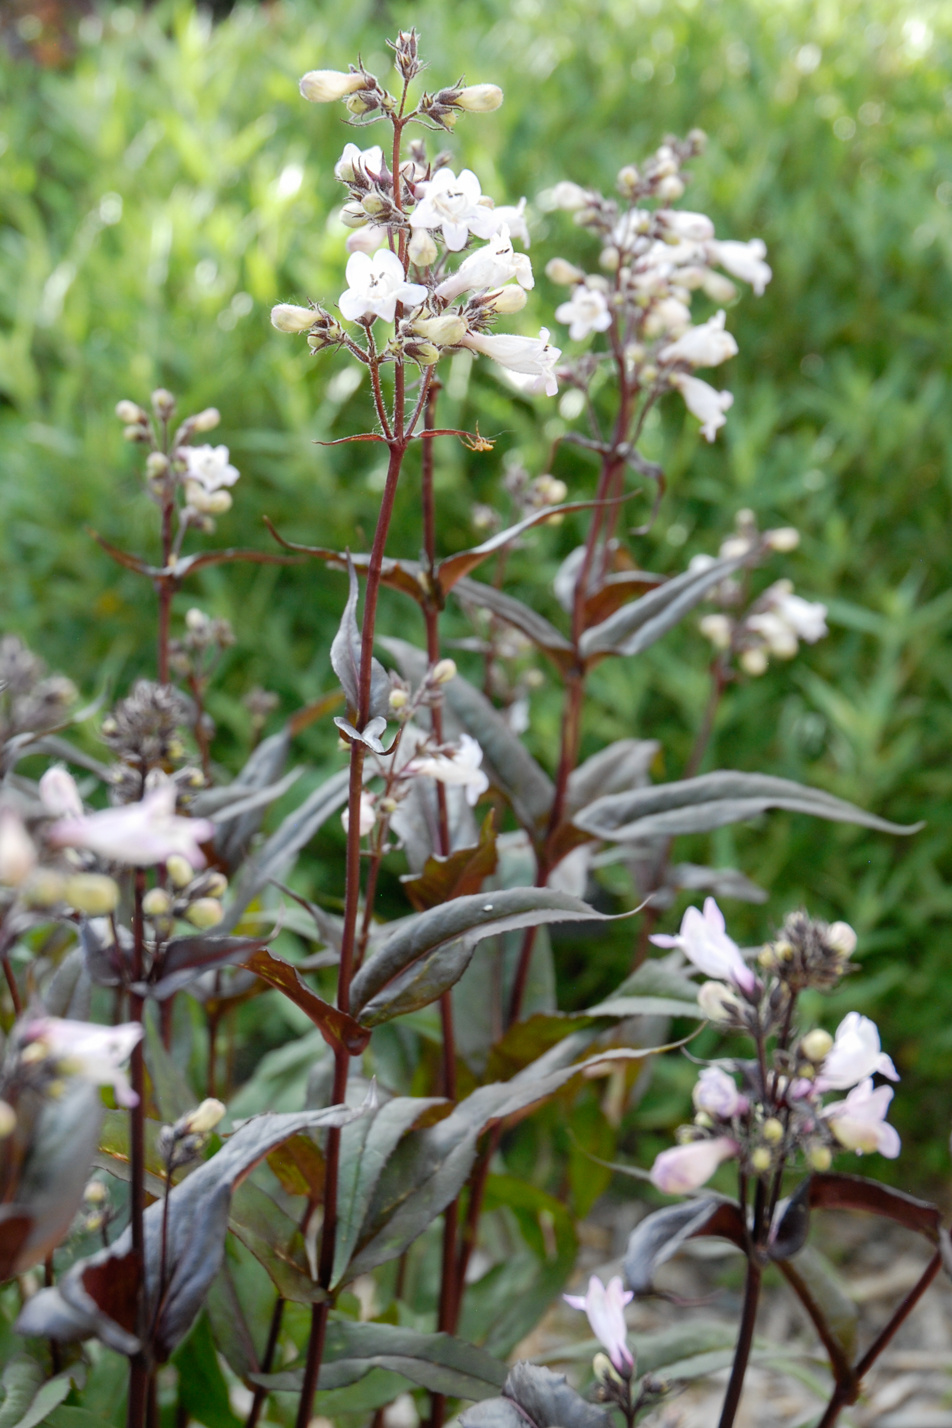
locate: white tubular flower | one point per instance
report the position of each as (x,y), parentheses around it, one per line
(288,317)
(375,286)
(17,854)
(695,227)
(83,1049)
(856,1054)
(668,317)
(139,834)
(324,86)
(355,162)
(567,196)
(586,311)
(513,215)
(744,261)
(775,633)
(604,1305)
(530,357)
(488,267)
(859,1122)
(704,402)
(718,288)
(479,98)
(704,941)
(209,467)
(367,239)
(806,618)
(368,815)
(461,769)
(705,346)
(59,793)
(453,204)
(716,1093)
(687,1167)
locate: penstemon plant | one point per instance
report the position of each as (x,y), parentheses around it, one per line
(142,930)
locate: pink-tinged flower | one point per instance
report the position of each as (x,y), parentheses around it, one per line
(705,346)
(210,467)
(859,1122)
(375,286)
(704,942)
(605,1308)
(704,402)
(686,1167)
(140,834)
(856,1053)
(80,1048)
(461,768)
(586,311)
(530,357)
(59,793)
(716,1093)
(488,267)
(744,261)
(453,204)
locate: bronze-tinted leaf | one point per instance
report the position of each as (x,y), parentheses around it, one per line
(456,875)
(337,1028)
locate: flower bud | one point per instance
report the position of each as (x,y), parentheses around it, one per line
(505,300)
(841,938)
(718,1003)
(206,420)
(205,912)
(286,317)
(568,196)
(17,853)
(359,104)
(43,889)
(422,250)
(398,698)
(670,189)
(479,98)
(772,1130)
(447,330)
(92,893)
(718,629)
(783,539)
(135,433)
(180,870)
(761,1160)
(560,270)
(8,1120)
(156,903)
(324,86)
(605,1371)
(424,353)
(373,205)
(207,503)
(215,884)
(352,215)
(156,466)
(718,288)
(204,1118)
(95,1193)
(628,180)
(163,403)
(816,1044)
(443,671)
(754,661)
(131,413)
(59,793)
(820,1158)
(550,489)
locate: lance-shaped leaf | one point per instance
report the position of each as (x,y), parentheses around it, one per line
(653,989)
(98,1296)
(455,875)
(405,575)
(618,768)
(27,1399)
(339,1030)
(835,1316)
(832,1191)
(451,570)
(346,657)
(661,1234)
(185,957)
(616,590)
(698,805)
(472,918)
(422,984)
(534,626)
(534,1397)
(437,1362)
(636,626)
(275,1241)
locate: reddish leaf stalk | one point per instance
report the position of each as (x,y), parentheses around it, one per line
(139,1373)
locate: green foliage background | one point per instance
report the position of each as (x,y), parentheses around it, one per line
(160,194)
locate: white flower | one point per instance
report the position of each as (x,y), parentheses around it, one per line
(806,618)
(83,1049)
(586,311)
(489,267)
(140,834)
(694,227)
(856,1054)
(605,1307)
(566,195)
(528,356)
(59,793)
(355,161)
(288,317)
(775,633)
(323,86)
(209,467)
(479,98)
(668,317)
(367,239)
(859,1122)
(513,216)
(375,286)
(744,261)
(452,204)
(705,346)
(686,1167)
(460,768)
(716,1093)
(704,942)
(368,815)
(703,401)
(17,853)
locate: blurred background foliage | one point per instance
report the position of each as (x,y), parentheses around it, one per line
(162,184)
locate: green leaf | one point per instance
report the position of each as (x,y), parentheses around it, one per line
(173,1095)
(276,1242)
(202,1391)
(26,1398)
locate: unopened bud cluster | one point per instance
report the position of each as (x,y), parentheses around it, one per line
(178,472)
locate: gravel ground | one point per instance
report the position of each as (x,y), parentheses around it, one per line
(909,1387)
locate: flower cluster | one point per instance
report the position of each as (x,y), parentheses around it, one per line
(31,701)
(777,1110)
(654,259)
(195,478)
